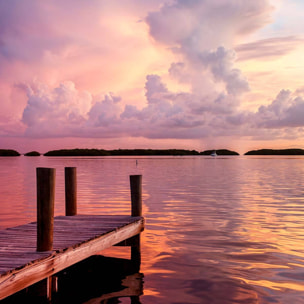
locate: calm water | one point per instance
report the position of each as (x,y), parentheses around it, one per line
(218,230)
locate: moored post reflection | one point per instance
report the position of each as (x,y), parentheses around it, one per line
(135,300)
(136,252)
(70,191)
(45,208)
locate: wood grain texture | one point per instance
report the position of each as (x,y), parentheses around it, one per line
(45,208)
(136,195)
(70,191)
(75,238)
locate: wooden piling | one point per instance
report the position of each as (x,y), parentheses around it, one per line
(75,238)
(70,191)
(45,208)
(136,210)
(136,195)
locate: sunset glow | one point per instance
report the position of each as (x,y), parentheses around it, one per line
(151,74)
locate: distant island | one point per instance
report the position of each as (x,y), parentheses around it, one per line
(119,152)
(8,152)
(219,152)
(150,152)
(32,153)
(134,152)
(276,152)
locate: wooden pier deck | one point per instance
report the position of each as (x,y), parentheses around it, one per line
(75,238)
(36,251)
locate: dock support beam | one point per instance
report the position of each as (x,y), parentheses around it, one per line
(45,208)
(70,191)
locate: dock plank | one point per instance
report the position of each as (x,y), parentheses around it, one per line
(75,238)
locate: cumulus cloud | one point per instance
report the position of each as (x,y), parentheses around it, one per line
(283,118)
(201,34)
(106,112)
(55,111)
(197,25)
(65,111)
(96,45)
(77,50)
(286,110)
(167,109)
(221,64)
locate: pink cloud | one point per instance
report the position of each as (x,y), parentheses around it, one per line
(60,60)
(55,112)
(65,111)
(286,110)
(200,25)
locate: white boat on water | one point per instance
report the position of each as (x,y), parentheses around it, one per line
(213,153)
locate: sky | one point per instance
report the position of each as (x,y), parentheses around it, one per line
(186,74)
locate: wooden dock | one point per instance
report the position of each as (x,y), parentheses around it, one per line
(74,238)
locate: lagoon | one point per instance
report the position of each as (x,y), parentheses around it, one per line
(218,230)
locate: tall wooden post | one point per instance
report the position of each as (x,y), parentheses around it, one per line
(45,208)
(136,210)
(70,191)
(136,195)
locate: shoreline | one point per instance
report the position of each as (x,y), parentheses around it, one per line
(150,152)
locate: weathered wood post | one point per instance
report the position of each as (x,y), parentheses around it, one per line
(45,208)
(70,191)
(136,195)
(136,210)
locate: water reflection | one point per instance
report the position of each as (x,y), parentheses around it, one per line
(98,279)
(227,221)
(224,230)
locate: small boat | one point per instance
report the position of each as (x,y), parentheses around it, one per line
(213,153)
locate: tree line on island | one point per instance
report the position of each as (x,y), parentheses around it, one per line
(149,152)
(134,152)
(276,152)
(119,152)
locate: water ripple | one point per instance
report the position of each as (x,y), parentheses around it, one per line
(225,230)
